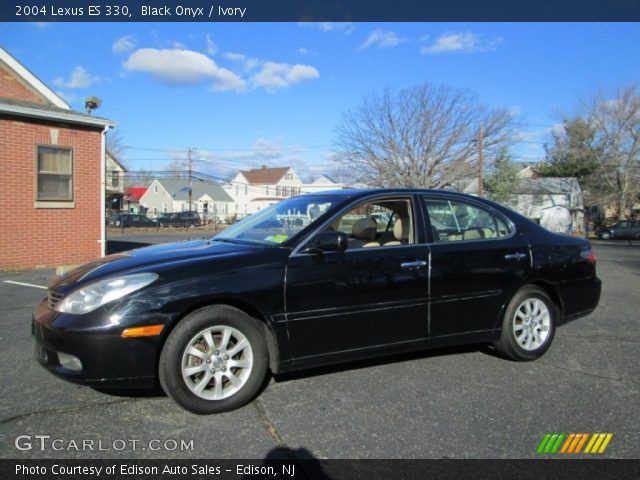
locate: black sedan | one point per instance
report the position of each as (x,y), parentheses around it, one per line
(128,220)
(313,280)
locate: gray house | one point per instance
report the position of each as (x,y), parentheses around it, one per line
(556,203)
(207,198)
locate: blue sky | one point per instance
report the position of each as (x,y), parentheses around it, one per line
(246,94)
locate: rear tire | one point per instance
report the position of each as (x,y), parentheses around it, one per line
(215,360)
(528,326)
(606,235)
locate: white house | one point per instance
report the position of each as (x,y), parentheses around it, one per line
(207,198)
(255,189)
(320,184)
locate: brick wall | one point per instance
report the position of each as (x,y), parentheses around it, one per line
(11,87)
(45,237)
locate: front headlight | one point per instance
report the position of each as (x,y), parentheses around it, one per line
(94,295)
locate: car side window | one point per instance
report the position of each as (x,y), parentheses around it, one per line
(455,220)
(381,223)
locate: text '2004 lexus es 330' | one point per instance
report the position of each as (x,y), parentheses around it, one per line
(313,280)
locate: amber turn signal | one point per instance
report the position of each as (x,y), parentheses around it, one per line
(142,331)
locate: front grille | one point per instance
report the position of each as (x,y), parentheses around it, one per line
(54,298)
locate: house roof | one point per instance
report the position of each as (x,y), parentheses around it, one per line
(558,185)
(32,81)
(179,190)
(137,192)
(50,112)
(116,161)
(264,175)
(323,180)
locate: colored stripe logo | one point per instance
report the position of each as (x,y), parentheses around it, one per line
(573,443)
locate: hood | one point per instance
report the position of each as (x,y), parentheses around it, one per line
(144,259)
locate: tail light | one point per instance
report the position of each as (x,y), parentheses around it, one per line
(589,256)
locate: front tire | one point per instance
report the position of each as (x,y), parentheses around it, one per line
(528,326)
(215,360)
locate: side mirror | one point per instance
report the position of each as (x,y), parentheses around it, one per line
(328,241)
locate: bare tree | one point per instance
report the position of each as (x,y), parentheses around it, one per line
(115,145)
(617,124)
(425,136)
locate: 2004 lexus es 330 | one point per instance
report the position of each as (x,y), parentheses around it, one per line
(313,280)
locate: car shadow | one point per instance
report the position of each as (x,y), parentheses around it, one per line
(157,391)
(154,392)
(385,360)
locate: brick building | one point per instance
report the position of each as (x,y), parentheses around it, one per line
(52,193)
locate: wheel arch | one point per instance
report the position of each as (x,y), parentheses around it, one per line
(271,340)
(550,290)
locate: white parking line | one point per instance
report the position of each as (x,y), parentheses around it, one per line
(25,284)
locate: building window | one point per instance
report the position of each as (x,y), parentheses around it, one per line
(246,189)
(266,189)
(278,191)
(115,178)
(155,189)
(55,174)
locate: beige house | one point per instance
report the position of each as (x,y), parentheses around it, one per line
(255,189)
(114,182)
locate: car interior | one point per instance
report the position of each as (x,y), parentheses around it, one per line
(378,224)
(455,221)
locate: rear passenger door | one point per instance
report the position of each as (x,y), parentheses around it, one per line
(478,260)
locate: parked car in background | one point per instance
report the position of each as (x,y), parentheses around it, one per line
(128,220)
(623,229)
(180,219)
(209,318)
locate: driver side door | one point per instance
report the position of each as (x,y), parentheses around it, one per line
(370,296)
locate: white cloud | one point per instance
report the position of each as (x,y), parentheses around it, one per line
(212,48)
(263,150)
(306,52)
(382,39)
(79,78)
(183,67)
(461,42)
(247,63)
(273,76)
(124,44)
(342,27)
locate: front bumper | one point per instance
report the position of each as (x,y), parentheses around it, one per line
(108,360)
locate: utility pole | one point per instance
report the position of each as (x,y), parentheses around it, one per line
(190,178)
(480,163)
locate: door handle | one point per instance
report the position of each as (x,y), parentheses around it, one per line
(515,256)
(414,265)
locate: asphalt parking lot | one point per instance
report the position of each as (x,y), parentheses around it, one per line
(454,403)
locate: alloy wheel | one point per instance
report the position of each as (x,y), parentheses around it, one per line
(217,362)
(531,324)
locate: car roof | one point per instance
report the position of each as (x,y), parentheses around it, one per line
(364,192)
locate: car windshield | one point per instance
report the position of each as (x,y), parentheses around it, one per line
(281,221)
